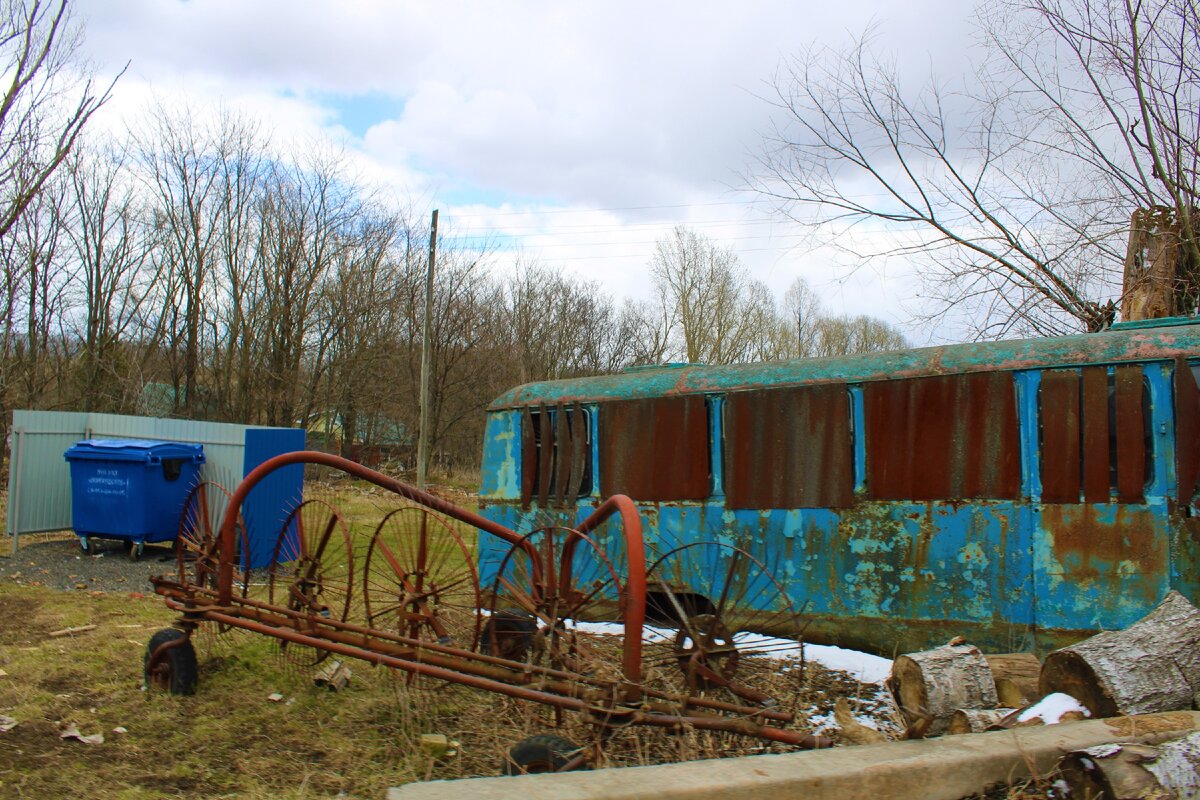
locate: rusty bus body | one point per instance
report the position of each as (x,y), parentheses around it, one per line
(1023,494)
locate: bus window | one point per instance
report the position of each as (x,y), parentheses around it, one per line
(951,437)
(655,449)
(789,448)
(1094,434)
(556,455)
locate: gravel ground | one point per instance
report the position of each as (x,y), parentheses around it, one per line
(59,564)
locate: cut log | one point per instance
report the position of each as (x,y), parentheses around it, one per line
(1153,665)
(1130,771)
(975,720)
(933,684)
(1016,676)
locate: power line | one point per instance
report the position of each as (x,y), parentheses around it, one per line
(607,227)
(622,243)
(601,210)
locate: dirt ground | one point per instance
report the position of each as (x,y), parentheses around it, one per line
(60,564)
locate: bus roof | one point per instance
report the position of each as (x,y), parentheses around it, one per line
(1153,339)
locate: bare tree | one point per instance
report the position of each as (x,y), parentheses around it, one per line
(702,288)
(802,307)
(559,326)
(840,336)
(1015,191)
(110,250)
(46,103)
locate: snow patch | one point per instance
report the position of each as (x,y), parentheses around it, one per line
(863,666)
(1051,708)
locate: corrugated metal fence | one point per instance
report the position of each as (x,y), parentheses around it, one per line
(39,478)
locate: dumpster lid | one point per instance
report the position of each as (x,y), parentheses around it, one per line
(144,450)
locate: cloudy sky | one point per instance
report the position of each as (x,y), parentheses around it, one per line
(573,133)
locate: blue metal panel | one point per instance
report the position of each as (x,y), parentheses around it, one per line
(500,473)
(716,443)
(1162,426)
(594,431)
(859,427)
(940,567)
(1027,412)
(268,505)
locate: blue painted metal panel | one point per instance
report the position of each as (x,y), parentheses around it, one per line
(269,503)
(500,474)
(858,427)
(716,444)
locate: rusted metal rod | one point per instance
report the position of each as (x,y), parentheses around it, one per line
(556,682)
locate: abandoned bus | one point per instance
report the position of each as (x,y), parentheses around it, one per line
(1023,494)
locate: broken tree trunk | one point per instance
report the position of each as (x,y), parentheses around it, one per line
(1153,665)
(1128,771)
(1016,677)
(931,685)
(975,720)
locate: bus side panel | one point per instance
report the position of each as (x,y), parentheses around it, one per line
(500,471)
(887,575)
(1099,566)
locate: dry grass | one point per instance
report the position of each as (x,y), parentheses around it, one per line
(230,740)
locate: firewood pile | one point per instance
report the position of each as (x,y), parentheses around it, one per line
(1151,666)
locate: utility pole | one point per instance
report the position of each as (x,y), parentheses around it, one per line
(426,347)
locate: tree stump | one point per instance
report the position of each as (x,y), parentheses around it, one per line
(1153,665)
(931,685)
(1134,771)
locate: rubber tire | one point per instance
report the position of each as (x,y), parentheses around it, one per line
(513,629)
(181,660)
(537,754)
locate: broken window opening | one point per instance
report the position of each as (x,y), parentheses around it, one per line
(556,455)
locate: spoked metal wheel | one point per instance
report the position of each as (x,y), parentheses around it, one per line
(312,571)
(197,546)
(419,579)
(721,617)
(545,598)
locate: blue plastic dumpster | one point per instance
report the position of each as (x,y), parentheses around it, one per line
(130,489)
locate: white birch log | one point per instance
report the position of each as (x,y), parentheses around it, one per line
(1167,771)
(1153,665)
(933,684)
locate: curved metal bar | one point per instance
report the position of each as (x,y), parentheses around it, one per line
(229,524)
(634,601)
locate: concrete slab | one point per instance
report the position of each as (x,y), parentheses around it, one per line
(948,768)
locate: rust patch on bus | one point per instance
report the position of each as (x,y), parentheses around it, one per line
(1089,547)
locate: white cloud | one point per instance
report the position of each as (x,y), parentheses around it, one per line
(588,105)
